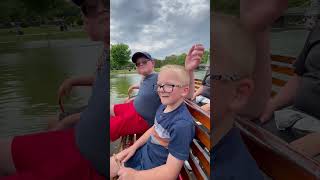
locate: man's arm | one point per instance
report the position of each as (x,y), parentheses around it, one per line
(191,86)
(284,98)
(82,81)
(258,16)
(198,92)
(132,87)
(192,61)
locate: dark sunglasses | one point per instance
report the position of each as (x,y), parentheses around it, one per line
(233,77)
(143,62)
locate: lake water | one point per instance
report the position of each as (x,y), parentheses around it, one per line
(30,78)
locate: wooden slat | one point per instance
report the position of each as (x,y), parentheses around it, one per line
(282,70)
(199,114)
(184,173)
(283,59)
(200,155)
(203,137)
(274,156)
(195,169)
(278,82)
(198,81)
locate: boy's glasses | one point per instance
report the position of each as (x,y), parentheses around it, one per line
(143,62)
(233,77)
(167,88)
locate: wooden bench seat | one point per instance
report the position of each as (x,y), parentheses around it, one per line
(275,157)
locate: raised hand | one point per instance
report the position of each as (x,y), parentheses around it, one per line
(194,56)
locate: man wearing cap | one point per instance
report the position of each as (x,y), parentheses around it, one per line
(78,153)
(137,116)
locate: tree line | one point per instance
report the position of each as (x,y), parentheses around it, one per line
(36,12)
(120,55)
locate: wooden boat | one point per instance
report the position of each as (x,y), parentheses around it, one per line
(275,157)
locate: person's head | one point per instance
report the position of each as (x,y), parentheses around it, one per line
(173,84)
(95,14)
(234,53)
(144,63)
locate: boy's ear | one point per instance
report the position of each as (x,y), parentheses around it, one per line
(243,90)
(185,91)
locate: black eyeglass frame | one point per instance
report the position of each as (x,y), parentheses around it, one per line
(157,87)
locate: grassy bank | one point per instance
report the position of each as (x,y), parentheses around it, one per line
(40,33)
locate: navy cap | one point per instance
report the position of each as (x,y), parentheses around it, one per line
(78,2)
(140,54)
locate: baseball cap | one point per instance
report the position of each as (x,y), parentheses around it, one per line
(140,54)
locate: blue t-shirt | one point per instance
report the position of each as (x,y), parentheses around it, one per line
(147,101)
(231,159)
(175,127)
(91,130)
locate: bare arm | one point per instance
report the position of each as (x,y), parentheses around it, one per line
(286,94)
(143,139)
(192,61)
(258,16)
(68,121)
(191,90)
(198,92)
(82,81)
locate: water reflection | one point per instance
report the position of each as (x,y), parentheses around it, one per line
(30,78)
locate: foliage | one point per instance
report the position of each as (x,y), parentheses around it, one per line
(120,55)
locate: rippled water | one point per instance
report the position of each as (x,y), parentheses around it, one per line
(30,78)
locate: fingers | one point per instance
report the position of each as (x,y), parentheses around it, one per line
(197,50)
(190,51)
(127,157)
(121,172)
(122,154)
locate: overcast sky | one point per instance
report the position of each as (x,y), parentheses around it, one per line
(160,27)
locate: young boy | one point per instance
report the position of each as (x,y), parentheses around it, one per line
(137,116)
(234,61)
(161,151)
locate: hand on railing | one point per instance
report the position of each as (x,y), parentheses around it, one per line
(64,90)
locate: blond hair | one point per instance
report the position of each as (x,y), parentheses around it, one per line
(181,73)
(233,45)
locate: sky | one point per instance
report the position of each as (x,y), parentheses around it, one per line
(160,27)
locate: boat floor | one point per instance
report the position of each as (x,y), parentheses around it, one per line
(286,135)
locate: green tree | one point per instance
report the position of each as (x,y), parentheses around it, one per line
(120,55)
(205,56)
